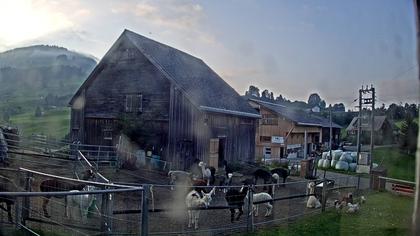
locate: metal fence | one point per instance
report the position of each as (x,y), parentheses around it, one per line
(134,209)
(98,155)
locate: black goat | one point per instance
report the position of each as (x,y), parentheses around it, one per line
(7,185)
(283,173)
(235,199)
(262,174)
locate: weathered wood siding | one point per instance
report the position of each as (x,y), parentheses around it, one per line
(124,71)
(191,131)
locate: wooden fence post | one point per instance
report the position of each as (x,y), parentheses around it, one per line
(250,213)
(145,211)
(27,200)
(18,212)
(324,194)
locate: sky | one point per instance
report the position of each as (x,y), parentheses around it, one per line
(292,48)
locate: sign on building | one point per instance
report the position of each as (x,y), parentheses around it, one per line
(277,139)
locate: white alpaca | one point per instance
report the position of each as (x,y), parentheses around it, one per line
(258,197)
(313,202)
(277,178)
(193,199)
(205,171)
(81,202)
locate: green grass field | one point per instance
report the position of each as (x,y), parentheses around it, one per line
(399,165)
(54,123)
(382,214)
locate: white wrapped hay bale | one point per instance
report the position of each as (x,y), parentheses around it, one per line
(336,154)
(346,156)
(320,163)
(326,164)
(333,163)
(342,165)
(354,156)
(352,167)
(324,155)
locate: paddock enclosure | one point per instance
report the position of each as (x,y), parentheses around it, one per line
(124,198)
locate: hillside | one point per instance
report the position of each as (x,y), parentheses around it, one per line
(29,75)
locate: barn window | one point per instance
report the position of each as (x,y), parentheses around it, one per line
(133,103)
(107,134)
(269,119)
(265,139)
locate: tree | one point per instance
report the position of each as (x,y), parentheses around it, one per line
(339,107)
(409,134)
(314,100)
(322,105)
(266,94)
(253,91)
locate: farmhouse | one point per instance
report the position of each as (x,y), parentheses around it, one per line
(282,131)
(166,101)
(383,128)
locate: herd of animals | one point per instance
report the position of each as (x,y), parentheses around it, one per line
(236,198)
(202,179)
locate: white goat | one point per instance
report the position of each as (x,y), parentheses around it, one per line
(206,172)
(193,199)
(258,197)
(277,178)
(313,202)
(81,202)
(353,208)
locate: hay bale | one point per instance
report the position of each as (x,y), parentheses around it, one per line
(320,163)
(352,167)
(346,156)
(336,154)
(326,164)
(342,165)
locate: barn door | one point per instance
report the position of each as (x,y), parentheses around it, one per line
(214,152)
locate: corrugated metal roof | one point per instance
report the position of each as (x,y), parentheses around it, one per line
(378,122)
(301,117)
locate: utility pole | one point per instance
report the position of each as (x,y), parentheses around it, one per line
(359,124)
(330,132)
(416,211)
(366,97)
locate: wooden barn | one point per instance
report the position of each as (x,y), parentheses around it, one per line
(282,131)
(166,101)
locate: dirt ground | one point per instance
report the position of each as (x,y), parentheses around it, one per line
(172,218)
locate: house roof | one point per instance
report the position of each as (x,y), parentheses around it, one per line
(378,123)
(200,84)
(301,117)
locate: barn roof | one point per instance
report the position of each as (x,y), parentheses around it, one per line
(378,123)
(301,117)
(200,84)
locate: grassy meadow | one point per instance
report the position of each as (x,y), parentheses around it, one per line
(54,123)
(398,164)
(383,214)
